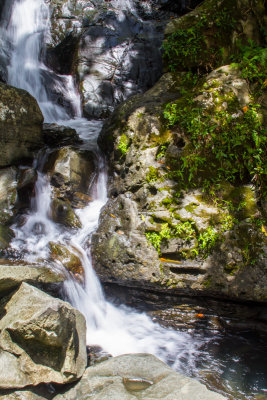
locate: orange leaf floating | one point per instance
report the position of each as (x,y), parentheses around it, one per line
(245,109)
(200,315)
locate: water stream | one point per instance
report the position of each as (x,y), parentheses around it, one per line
(118,329)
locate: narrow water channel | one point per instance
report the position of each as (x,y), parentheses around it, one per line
(213,357)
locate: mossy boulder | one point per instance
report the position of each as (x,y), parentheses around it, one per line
(20,125)
(200,223)
(212,33)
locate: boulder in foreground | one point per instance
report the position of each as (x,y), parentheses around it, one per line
(42,340)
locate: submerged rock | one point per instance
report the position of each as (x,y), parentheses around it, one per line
(20,125)
(141,376)
(42,340)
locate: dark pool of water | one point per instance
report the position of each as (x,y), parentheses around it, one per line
(233,357)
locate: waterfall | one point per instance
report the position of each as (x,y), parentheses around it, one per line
(117,329)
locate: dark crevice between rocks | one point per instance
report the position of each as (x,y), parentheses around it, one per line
(186,270)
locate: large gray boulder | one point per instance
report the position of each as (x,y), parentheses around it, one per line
(42,339)
(20,125)
(12,275)
(141,376)
(162,228)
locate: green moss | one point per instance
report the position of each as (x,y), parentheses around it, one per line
(191,45)
(232,145)
(191,207)
(123,144)
(152,175)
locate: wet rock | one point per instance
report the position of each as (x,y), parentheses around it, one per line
(68,259)
(13,274)
(6,235)
(58,135)
(20,125)
(42,340)
(63,213)
(71,167)
(141,375)
(26,187)
(8,193)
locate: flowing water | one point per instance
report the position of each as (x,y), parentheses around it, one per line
(117,329)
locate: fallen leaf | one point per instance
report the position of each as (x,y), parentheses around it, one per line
(120,232)
(263,230)
(113,216)
(245,109)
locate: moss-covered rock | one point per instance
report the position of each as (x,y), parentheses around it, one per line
(20,125)
(198,212)
(210,35)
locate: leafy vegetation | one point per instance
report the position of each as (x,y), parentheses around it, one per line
(233,144)
(204,240)
(123,144)
(152,175)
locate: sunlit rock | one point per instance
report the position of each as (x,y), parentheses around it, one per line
(42,340)
(13,274)
(141,376)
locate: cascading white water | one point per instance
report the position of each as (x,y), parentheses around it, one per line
(117,330)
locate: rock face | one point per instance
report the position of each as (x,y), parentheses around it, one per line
(140,376)
(42,340)
(162,228)
(20,125)
(113,47)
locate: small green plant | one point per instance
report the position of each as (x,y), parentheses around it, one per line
(152,175)
(124,144)
(155,238)
(185,230)
(162,150)
(208,239)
